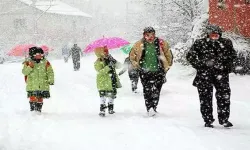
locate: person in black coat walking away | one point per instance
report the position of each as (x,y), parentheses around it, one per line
(132,73)
(76,53)
(213,58)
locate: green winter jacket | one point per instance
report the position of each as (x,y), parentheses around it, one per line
(39,77)
(103,80)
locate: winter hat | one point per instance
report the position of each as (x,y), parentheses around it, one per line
(148,30)
(35,50)
(213,29)
(40,50)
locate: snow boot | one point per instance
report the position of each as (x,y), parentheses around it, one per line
(209,124)
(151,112)
(32,106)
(134,90)
(102,114)
(227,124)
(102,110)
(39,107)
(155,109)
(111,108)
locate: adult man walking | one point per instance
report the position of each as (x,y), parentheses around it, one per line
(152,56)
(213,58)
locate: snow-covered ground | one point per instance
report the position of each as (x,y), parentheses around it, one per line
(70,118)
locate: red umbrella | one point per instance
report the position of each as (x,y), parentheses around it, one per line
(23,50)
(20,50)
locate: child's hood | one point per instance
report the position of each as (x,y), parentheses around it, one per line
(99,52)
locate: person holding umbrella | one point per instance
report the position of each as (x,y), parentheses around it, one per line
(107,79)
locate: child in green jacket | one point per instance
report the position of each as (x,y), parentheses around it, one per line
(107,79)
(39,75)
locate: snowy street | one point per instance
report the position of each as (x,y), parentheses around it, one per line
(70,118)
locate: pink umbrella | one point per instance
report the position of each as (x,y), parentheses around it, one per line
(20,50)
(45,48)
(111,43)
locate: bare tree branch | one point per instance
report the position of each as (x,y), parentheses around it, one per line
(183,8)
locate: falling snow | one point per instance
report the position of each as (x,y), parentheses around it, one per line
(207,75)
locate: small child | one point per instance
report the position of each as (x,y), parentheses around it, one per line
(39,75)
(107,79)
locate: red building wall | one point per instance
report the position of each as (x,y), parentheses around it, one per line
(233,16)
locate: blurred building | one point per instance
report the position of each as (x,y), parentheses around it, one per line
(49,22)
(232,15)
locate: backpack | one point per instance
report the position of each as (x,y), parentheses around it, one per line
(161,42)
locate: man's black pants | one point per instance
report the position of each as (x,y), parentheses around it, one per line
(223,93)
(152,83)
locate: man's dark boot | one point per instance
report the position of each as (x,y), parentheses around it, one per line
(226,124)
(209,124)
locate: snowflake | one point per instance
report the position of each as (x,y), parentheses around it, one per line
(219,77)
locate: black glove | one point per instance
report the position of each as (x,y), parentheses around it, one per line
(218,66)
(201,64)
(210,63)
(111,64)
(139,69)
(110,71)
(111,59)
(51,83)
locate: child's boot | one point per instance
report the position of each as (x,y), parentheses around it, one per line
(39,107)
(111,108)
(102,110)
(32,106)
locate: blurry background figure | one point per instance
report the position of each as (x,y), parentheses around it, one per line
(76,53)
(1,56)
(65,53)
(132,73)
(1,60)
